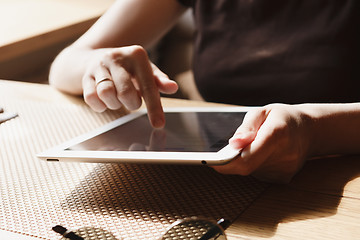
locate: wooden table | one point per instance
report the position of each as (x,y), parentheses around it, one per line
(39,28)
(322,201)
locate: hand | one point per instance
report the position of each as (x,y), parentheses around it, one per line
(274,140)
(121,77)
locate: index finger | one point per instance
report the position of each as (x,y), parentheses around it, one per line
(142,70)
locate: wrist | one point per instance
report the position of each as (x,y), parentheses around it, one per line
(309,116)
(331,128)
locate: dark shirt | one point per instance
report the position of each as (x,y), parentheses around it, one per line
(255,52)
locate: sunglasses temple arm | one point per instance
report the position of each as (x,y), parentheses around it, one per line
(223,223)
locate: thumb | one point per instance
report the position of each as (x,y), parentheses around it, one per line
(163,82)
(247,131)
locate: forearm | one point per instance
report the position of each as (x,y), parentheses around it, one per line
(127,22)
(334,128)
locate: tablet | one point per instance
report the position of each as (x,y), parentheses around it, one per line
(190,136)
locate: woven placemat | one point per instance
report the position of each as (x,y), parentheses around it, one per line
(102,201)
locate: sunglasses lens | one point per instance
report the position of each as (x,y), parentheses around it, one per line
(194,229)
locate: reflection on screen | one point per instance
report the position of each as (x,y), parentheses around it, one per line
(186,131)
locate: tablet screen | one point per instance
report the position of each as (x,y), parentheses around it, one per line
(183,132)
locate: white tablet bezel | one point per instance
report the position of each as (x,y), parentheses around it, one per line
(223,156)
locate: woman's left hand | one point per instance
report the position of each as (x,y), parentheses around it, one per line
(274,140)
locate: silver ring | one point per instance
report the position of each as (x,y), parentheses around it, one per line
(97,82)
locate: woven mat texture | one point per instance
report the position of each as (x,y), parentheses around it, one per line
(102,201)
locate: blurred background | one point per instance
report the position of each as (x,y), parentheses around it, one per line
(33,32)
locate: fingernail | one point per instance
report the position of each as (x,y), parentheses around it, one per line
(242,135)
(165,79)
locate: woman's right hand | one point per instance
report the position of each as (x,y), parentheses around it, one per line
(122,77)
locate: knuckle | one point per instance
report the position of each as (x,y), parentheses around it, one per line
(149,88)
(138,52)
(111,55)
(96,64)
(106,90)
(279,133)
(102,63)
(124,91)
(263,109)
(93,101)
(115,56)
(121,56)
(90,97)
(280,128)
(274,106)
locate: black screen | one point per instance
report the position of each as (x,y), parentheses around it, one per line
(183,132)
